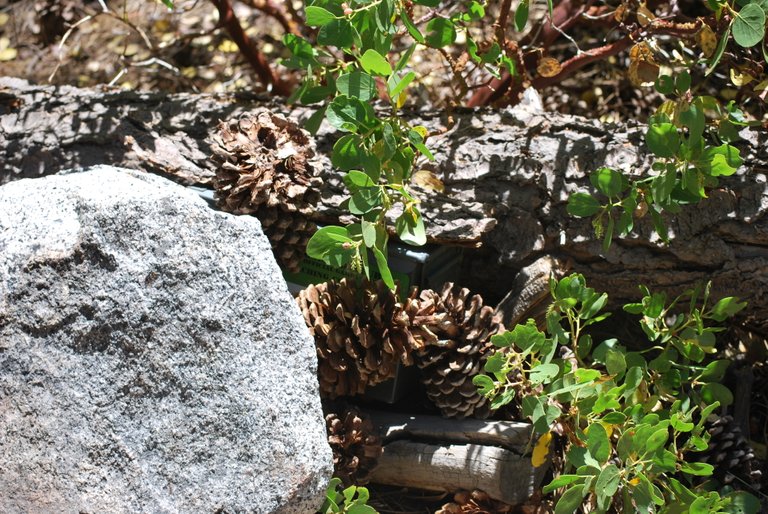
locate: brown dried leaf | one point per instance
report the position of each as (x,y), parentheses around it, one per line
(548,67)
(644,15)
(621,13)
(740,79)
(707,40)
(643,70)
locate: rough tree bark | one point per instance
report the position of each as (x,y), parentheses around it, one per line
(507,176)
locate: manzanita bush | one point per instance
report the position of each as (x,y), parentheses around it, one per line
(630,418)
(691,138)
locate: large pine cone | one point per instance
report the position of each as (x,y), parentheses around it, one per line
(730,454)
(264,169)
(464,328)
(361,332)
(355,444)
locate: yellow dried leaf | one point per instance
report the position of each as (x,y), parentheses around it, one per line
(428,180)
(548,67)
(541,450)
(8,54)
(401,98)
(644,15)
(707,40)
(740,79)
(228,46)
(422,130)
(634,481)
(621,13)
(4,17)
(668,107)
(643,70)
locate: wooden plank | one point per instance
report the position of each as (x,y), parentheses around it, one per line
(511,435)
(501,473)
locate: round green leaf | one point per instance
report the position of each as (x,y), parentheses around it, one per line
(582,205)
(317,16)
(348,152)
(374,63)
(325,240)
(338,32)
(357,84)
(662,139)
(441,33)
(749,25)
(714,392)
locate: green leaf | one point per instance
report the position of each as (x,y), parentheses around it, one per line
(358,508)
(357,84)
(726,307)
(365,200)
(615,363)
(570,501)
(683,82)
(337,32)
(348,152)
(317,16)
(521,15)
(720,49)
(665,84)
(598,443)
(441,33)
(396,86)
(722,160)
(484,384)
(715,371)
(714,392)
(368,231)
(582,205)
(428,3)
(349,114)
(609,182)
(325,240)
(607,483)
(359,179)
(312,125)
(657,440)
(410,227)
(381,262)
(700,469)
(742,503)
(412,30)
(168,3)
(662,139)
(374,63)
(749,25)
(543,373)
(561,481)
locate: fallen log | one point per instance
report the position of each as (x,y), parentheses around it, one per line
(506,177)
(437,454)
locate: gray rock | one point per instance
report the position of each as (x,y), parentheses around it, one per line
(151,357)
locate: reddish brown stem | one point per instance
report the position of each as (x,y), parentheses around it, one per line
(247,49)
(657,28)
(288,23)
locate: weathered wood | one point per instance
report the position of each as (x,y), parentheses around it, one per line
(511,435)
(507,176)
(501,473)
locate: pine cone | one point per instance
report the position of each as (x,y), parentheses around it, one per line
(361,332)
(476,502)
(730,454)
(464,328)
(356,446)
(265,170)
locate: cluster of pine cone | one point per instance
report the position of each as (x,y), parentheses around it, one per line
(363,330)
